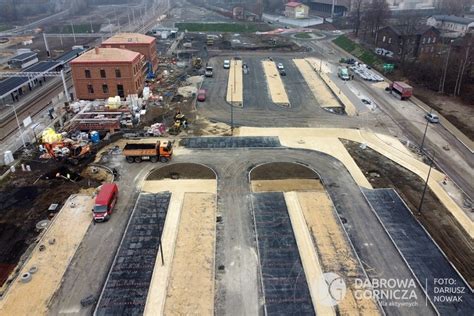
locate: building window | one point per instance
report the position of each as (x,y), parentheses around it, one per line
(105,88)
(424,40)
(432,48)
(118,74)
(434,40)
(87,73)
(390,40)
(383,39)
(90,89)
(102,73)
(429,40)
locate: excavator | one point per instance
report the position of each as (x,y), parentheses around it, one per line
(68,151)
(197,63)
(180,122)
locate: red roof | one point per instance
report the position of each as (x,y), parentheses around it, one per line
(293,4)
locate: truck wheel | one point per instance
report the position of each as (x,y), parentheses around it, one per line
(154,159)
(164,159)
(130,159)
(138,159)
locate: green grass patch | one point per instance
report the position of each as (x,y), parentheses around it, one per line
(303,35)
(4,27)
(223,27)
(358,51)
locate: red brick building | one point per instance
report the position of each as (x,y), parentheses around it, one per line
(106,72)
(143,44)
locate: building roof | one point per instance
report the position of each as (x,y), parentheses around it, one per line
(129,38)
(23,56)
(453,19)
(11,84)
(67,57)
(293,4)
(103,55)
(418,31)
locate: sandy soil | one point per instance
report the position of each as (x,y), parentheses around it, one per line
(275,84)
(235,84)
(286,185)
(334,250)
(437,220)
(348,106)
(191,286)
(320,91)
(67,229)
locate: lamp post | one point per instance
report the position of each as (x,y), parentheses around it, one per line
(426,183)
(424,136)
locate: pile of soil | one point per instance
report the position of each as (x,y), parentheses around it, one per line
(182,171)
(440,224)
(282,170)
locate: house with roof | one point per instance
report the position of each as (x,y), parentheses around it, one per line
(451,25)
(400,44)
(296,10)
(23,60)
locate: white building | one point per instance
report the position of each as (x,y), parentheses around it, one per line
(451,25)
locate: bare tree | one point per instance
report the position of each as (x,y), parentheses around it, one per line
(375,15)
(356,15)
(455,7)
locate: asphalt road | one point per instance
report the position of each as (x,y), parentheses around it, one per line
(237,283)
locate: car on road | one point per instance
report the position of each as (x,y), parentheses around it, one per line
(201,96)
(280,66)
(245,67)
(432,118)
(226,64)
(208,72)
(282,72)
(105,202)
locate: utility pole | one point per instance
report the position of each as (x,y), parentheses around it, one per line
(73,33)
(426,183)
(19,126)
(457,90)
(424,135)
(332,9)
(46,45)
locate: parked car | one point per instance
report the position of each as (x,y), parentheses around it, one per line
(201,96)
(245,67)
(280,66)
(226,64)
(432,118)
(282,72)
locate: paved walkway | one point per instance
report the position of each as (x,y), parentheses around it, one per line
(235,84)
(318,139)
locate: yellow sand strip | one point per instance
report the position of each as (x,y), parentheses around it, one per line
(67,229)
(235,95)
(349,106)
(335,251)
(321,92)
(286,185)
(191,286)
(319,138)
(156,298)
(308,255)
(274,83)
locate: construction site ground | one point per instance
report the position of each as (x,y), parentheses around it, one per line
(49,259)
(25,199)
(445,230)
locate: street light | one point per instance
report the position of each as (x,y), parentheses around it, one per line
(424,135)
(426,183)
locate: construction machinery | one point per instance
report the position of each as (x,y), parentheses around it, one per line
(209,40)
(68,151)
(137,152)
(180,122)
(197,63)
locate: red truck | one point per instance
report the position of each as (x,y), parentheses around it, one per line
(105,202)
(401,89)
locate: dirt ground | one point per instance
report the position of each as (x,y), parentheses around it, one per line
(24,201)
(281,171)
(334,251)
(441,225)
(453,109)
(182,171)
(191,285)
(286,185)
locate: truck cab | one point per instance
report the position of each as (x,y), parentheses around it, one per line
(105,202)
(166,150)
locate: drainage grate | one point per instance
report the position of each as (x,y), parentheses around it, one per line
(230,142)
(126,288)
(284,281)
